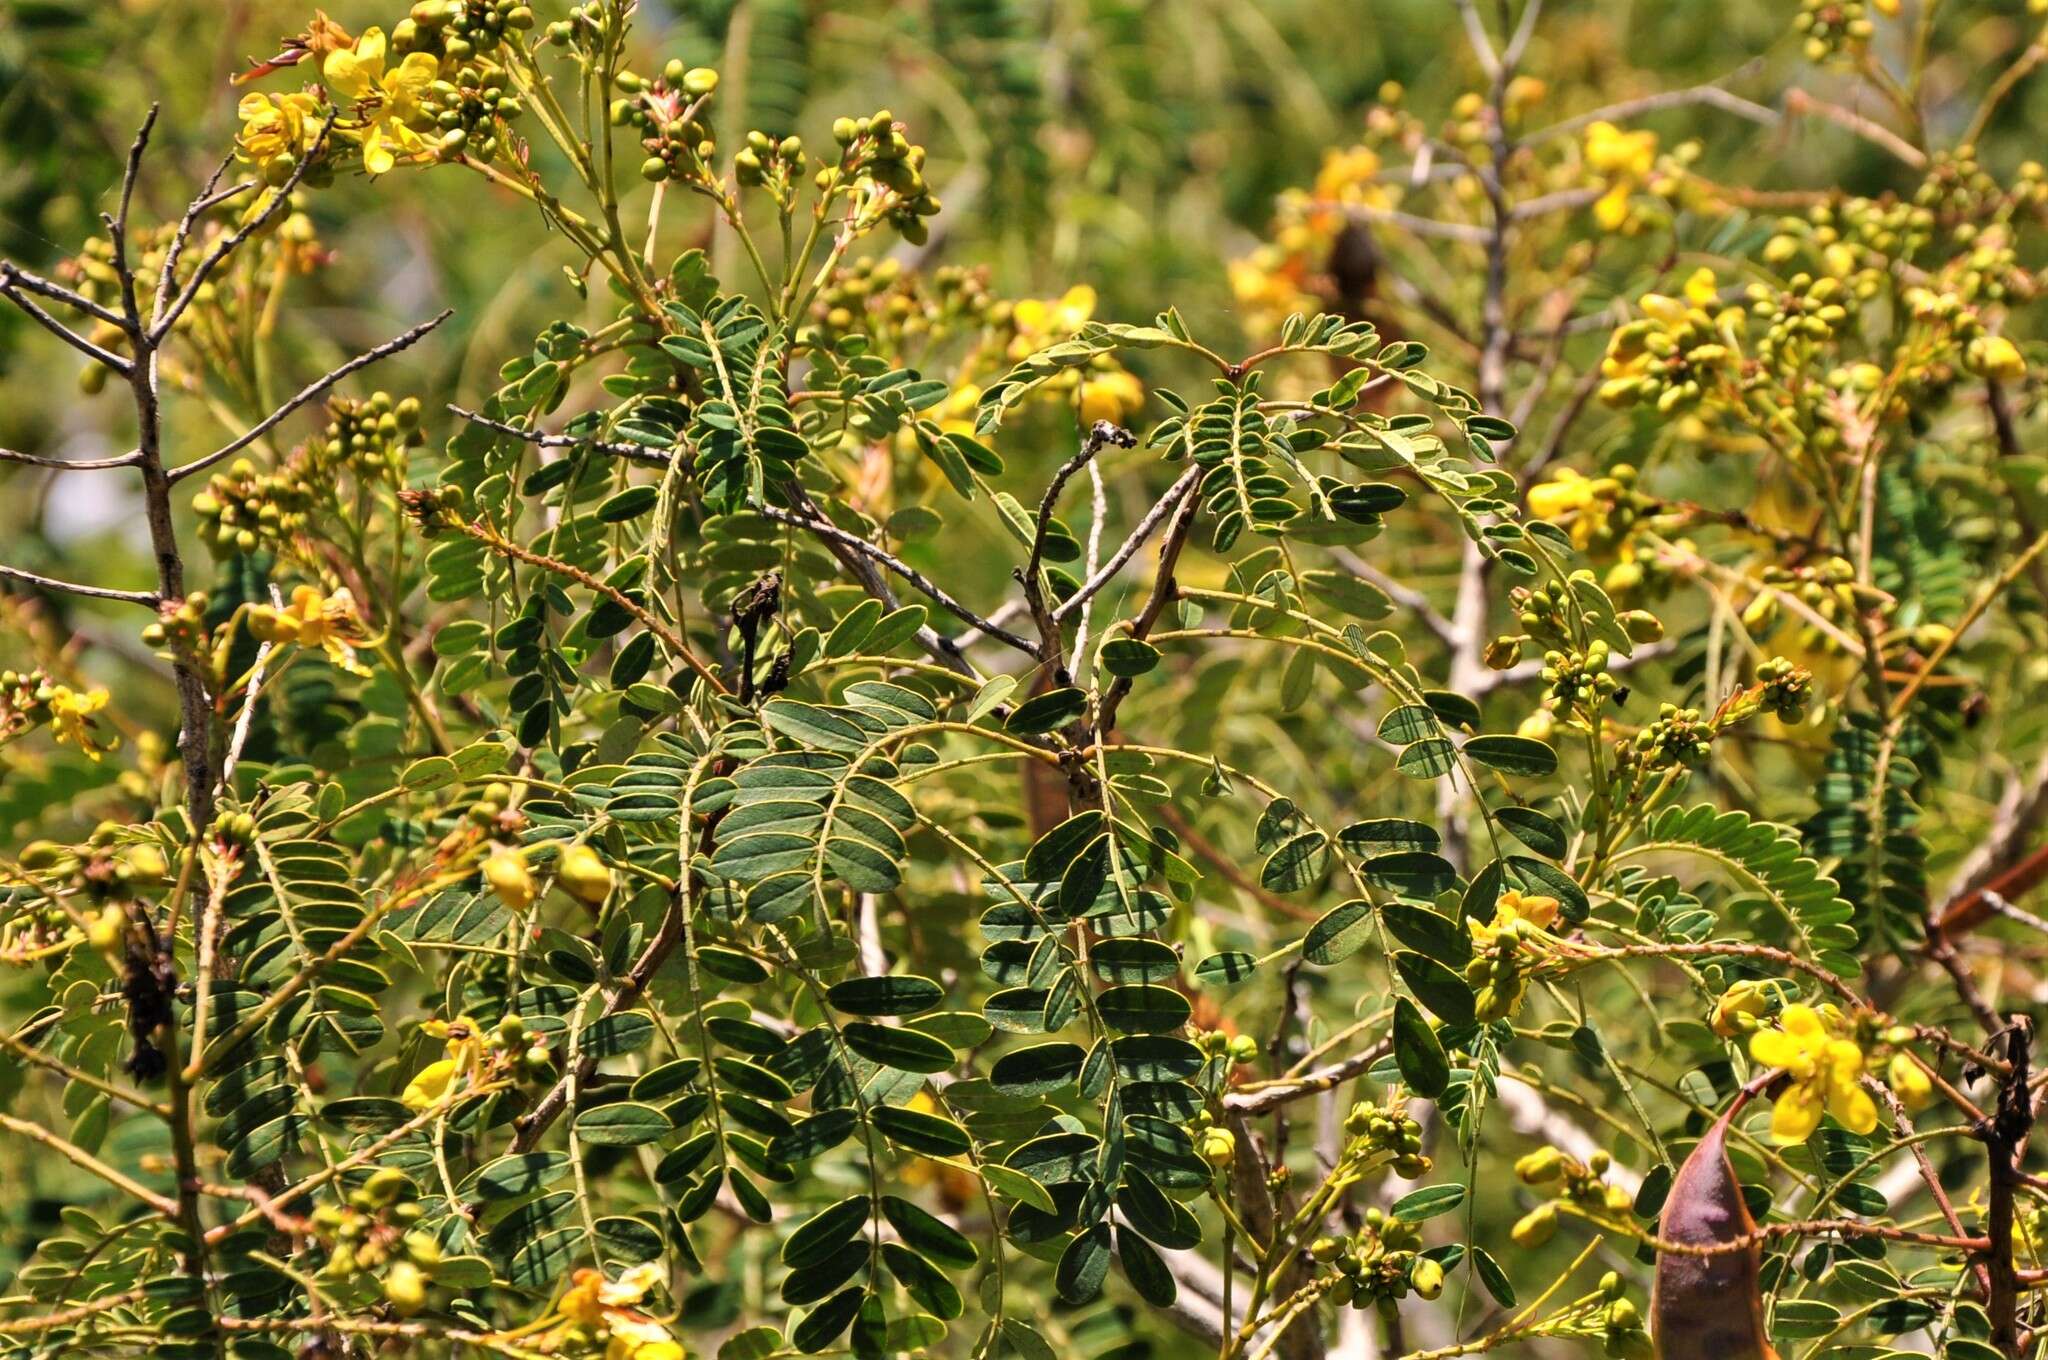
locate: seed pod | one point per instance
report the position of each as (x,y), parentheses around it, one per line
(1709,1307)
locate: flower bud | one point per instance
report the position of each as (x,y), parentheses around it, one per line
(1909,1082)
(405,1286)
(510,879)
(584,875)
(1536,1227)
(1535,1168)
(1217,1147)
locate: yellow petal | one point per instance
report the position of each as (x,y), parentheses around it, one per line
(1611,209)
(355,72)
(1853,1106)
(431,1086)
(1775,1048)
(1795,1115)
(377,157)
(1845,1058)
(1802,1020)
(413,75)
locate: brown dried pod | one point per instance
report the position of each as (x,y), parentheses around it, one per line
(1709,1307)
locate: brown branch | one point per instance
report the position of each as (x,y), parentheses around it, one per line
(313,389)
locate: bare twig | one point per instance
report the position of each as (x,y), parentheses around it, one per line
(145,598)
(635,453)
(832,532)
(314,389)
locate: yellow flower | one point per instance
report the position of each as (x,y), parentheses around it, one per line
(276,126)
(71,717)
(329,622)
(432,1085)
(1619,154)
(1113,396)
(386,100)
(510,879)
(1909,1082)
(1217,1147)
(593,1302)
(1624,161)
(1047,320)
(1348,177)
(439,1079)
(1565,493)
(1824,1069)
(1610,210)
(584,875)
(1512,908)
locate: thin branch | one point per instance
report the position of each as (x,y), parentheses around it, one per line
(14,276)
(634,453)
(1407,596)
(164,316)
(1154,517)
(1623,110)
(85,1161)
(205,200)
(1798,102)
(147,599)
(1420,226)
(128,459)
(57,328)
(313,389)
(1031,577)
(916,578)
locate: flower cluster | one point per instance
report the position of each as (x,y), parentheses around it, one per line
(473,1054)
(1569,1180)
(1379,1265)
(1624,161)
(597,1316)
(372,1233)
(313,620)
(1504,949)
(1824,1068)
(1681,351)
(32,699)
(895,308)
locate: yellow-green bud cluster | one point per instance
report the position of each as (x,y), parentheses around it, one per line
(1833,29)
(1389,1136)
(181,627)
(874,149)
(1378,1265)
(1798,318)
(875,296)
(1787,688)
(670,112)
(1672,358)
(1565,1178)
(460,114)
(371,437)
(461,29)
(1579,679)
(1678,737)
(374,1233)
(770,162)
(244,509)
